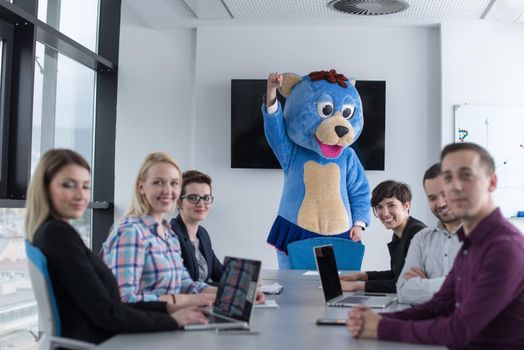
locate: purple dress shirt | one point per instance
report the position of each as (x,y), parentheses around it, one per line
(480,304)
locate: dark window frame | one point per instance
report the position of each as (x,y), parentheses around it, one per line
(17,122)
(6,61)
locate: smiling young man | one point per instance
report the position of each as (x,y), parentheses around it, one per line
(433,250)
(481,303)
(391,201)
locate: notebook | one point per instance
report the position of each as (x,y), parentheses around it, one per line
(327,269)
(236,295)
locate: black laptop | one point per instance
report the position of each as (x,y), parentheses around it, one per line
(327,269)
(236,295)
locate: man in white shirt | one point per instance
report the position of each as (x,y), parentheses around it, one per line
(433,250)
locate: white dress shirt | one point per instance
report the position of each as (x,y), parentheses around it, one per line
(433,250)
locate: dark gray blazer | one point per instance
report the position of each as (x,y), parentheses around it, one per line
(214,266)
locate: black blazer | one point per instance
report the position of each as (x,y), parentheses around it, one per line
(214,266)
(87,293)
(385,281)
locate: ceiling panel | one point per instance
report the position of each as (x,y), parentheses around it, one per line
(180,9)
(195,13)
(433,10)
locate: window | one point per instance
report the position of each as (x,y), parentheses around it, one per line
(1,55)
(6,44)
(77,19)
(63,105)
(18,312)
(18,315)
(53,91)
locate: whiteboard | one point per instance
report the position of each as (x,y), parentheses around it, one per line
(499,129)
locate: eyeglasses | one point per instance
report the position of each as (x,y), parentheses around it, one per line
(195,198)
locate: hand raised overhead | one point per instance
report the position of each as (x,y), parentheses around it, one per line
(274,81)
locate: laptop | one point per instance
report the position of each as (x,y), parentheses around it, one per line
(236,295)
(327,269)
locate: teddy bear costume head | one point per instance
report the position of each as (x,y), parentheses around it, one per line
(323,111)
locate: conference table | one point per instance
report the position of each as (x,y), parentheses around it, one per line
(290,326)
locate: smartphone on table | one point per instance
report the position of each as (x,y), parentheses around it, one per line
(331,322)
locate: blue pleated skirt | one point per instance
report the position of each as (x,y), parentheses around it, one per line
(284,232)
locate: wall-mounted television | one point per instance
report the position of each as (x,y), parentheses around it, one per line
(249,148)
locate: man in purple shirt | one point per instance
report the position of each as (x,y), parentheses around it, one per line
(481,303)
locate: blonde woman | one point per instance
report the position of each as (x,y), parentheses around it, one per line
(85,289)
(143,251)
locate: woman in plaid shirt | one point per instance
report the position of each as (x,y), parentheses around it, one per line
(143,252)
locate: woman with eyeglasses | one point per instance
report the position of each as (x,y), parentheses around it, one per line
(86,291)
(193,206)
(143,251)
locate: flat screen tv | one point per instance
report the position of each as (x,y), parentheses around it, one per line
(249,148)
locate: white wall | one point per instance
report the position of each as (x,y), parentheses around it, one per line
(481,64)
(158,111)
(427,72)
(247,200)
(155,99)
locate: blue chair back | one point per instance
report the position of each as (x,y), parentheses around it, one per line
(43,289)
(348,254)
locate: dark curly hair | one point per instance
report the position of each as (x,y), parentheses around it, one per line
(332,76)
(194,176)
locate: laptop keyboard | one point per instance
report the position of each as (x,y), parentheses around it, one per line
(352,300)
(215,319)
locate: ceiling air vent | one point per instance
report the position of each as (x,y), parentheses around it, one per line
(369,7)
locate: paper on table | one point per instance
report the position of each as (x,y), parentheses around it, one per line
(270,303)
(314,273)
(272,288)
(310,273)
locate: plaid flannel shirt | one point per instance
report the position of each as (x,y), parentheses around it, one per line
(144,264)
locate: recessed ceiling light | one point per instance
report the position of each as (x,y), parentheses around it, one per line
(369,7)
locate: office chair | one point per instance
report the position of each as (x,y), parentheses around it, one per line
(348,254)
(49,319)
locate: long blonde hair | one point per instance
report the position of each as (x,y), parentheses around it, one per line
(38,201)
(139,205)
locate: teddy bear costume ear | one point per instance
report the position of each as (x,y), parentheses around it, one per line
(288,81)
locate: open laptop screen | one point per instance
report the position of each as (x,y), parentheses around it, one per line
(237,288)
(327,269)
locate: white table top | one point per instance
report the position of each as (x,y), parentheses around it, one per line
(290,326)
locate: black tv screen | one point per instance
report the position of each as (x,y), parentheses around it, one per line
(249,148)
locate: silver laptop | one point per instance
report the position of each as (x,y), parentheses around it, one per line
(327,269)
(235,296)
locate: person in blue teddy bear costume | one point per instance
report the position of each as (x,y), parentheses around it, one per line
(325,186)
